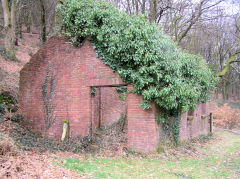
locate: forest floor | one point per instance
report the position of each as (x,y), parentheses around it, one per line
(226,114)
(216,156)
(10,68)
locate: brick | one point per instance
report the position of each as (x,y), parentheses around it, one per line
(75,71)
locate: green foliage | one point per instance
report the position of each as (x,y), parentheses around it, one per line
(93,91)
(217,159)
(65,121)
(122,92)
(30,141)
(7,99)
(3,108)
(172,128)
(174,80)
(7,102)
(48,96)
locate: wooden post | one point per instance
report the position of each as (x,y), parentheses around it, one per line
(211,123)
(65,130)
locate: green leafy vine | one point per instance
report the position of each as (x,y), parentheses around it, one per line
(93,91)
(139,52)
(122,92)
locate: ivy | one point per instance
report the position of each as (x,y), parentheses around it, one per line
(7,102)
(93,91)
(174,80)
(122,92)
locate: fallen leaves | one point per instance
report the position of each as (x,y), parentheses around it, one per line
(33,165)
(227,117)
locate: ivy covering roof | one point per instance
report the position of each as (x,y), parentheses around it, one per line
(141,54)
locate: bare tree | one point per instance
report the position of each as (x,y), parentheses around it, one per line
(43,22)
(9,24)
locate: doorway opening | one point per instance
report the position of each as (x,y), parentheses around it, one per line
(109,116)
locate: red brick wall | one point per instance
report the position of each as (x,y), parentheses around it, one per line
(76,69)
(199,125)
(143,132)
(112,107)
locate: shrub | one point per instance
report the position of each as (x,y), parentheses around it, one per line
(3,108)
(7,101)
(140,53)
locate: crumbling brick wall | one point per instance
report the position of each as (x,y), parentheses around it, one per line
(195,123)
(75,70)
(143,131)
(61,76)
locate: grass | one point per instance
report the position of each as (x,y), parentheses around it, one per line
(219,159)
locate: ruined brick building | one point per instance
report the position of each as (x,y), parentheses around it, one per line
(57,84)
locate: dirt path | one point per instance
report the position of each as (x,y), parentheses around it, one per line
(233,131)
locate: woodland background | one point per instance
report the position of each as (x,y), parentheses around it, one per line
(210,28)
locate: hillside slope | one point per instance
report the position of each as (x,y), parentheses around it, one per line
(9,69)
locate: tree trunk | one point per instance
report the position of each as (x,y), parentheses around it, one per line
(129,7)
(9,40)
(224,90)
(13,21)
(153,11)
(29,22)
(19,28)
(43,22)
(143,6)
(137,7)
(9,25)
(6,13)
